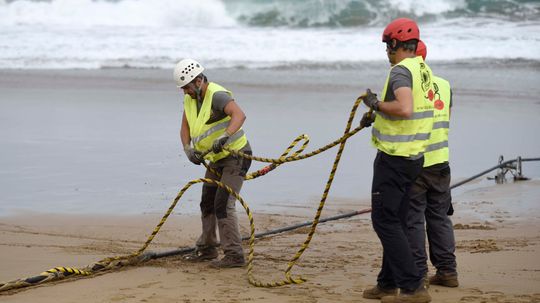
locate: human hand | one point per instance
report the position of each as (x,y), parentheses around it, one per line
(370,100)
(218,144)
(193,155)
(367,119)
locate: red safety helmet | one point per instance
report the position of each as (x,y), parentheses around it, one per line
(402,29)
(421,49)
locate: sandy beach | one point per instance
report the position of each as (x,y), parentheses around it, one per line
(91,160)
(497,253)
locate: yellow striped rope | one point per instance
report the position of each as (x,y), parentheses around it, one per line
(110,262)
(295,157)
(288,277)
(67,270)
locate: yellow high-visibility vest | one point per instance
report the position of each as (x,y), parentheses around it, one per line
(407,137)
(437,149)
(202,134)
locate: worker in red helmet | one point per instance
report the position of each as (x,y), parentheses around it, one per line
(421,50)
(401,130)
(430,203)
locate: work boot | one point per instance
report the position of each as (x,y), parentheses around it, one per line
(420,295)
(444,279)
(202,255)
(229,261)
(378,292)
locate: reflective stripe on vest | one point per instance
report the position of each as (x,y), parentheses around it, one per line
(213,129)
(436,146)
(407,137)
(203,135)
(441,124)
(415,116)
(400,138)
(437,150)
(220,126)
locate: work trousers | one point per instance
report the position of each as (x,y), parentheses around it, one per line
(430,201)
(393,177)
(218,207)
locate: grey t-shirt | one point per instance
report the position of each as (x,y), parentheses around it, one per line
(219,101)
(400,76)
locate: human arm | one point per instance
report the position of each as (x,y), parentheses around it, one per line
(402,106)
(237,117)
(184,132)
(237,120)
(193,155)
(399,98)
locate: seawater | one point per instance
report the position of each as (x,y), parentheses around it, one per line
(255,34)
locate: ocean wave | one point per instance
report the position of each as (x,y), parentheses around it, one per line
(155,34)
(257,13)
(123,13)
(353,13)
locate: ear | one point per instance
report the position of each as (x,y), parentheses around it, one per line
(394,43)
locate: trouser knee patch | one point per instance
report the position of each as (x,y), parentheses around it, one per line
(220,203)
(246,163)
(207,200)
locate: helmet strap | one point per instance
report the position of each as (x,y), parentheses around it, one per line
(198,90)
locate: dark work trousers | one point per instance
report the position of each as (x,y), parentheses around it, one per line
(218,207)
(393,177)
(430,199)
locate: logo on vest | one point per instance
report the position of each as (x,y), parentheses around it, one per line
(426,81)
(439,104)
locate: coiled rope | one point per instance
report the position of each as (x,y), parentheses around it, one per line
(58,273)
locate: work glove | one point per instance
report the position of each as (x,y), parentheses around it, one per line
(367,119)
(218,144)
(193,155)
(370,99)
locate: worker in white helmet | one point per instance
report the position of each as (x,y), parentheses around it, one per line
(211,121)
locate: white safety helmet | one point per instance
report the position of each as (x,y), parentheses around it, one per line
(186,70)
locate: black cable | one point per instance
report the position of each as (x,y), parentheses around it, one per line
(181,251)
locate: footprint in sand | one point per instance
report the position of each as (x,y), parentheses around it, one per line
(147,285)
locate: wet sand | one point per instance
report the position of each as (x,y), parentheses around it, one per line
(91,160)
(106,141)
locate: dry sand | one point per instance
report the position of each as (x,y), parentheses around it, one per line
(497,250)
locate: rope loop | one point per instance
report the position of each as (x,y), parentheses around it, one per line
(108,263)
